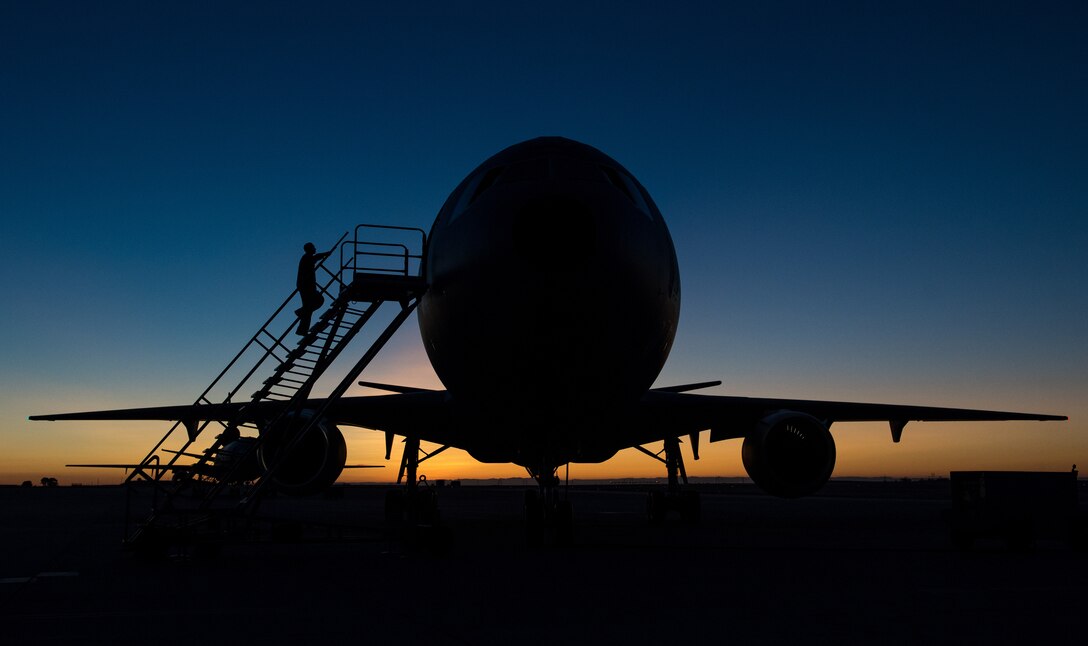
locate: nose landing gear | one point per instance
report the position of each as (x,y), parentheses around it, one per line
(549,515)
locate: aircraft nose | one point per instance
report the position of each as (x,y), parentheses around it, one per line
(555,234)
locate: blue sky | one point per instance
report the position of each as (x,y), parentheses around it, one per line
(870,201)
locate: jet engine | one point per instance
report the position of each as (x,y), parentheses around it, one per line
(789,454)
(313,464)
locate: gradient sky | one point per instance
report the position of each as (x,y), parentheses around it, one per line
(870,201)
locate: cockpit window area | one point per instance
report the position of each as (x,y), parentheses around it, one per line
(559,167)
(474,189)
(488,179)
(528,170)
(579,170)
(628,187)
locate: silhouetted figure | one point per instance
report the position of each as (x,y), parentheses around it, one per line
(307,286)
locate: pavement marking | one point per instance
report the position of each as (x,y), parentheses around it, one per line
(39,575)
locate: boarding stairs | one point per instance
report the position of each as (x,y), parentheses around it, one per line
(378,265)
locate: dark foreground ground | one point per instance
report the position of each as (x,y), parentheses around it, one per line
(861,563)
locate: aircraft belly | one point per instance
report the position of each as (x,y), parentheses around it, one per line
(530,440)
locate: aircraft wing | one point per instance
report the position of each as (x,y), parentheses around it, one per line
(425,414)
(221,412)
(662,412)
(163,467)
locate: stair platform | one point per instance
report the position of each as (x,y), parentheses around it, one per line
(371,287)
(370,271)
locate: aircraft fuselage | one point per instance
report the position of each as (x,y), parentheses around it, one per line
(553,300)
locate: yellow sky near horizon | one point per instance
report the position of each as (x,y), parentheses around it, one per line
(36,449)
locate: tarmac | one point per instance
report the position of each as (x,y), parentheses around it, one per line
(858,563)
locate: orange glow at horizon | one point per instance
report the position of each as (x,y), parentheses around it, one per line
(38,449)
(864,450)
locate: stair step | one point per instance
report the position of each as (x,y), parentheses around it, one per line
(296,364)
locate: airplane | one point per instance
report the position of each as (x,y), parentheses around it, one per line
(551,302)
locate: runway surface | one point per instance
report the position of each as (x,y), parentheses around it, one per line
(860,563)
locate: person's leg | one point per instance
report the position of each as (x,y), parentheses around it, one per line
(304,314)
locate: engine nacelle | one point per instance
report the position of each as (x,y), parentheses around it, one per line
(313,464)
(789,454)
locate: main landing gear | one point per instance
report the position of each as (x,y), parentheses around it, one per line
(673,499)
(413,504)
(549,516)
(413,508)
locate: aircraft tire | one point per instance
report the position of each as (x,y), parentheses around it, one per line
(656,507)
(691,508)
(563,522)
(394,505)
